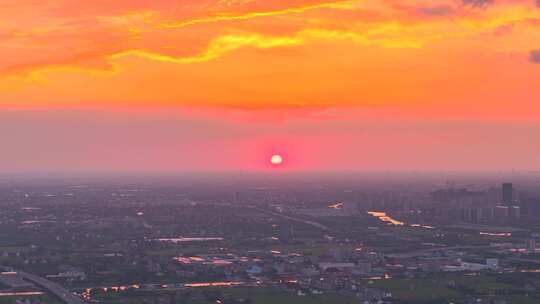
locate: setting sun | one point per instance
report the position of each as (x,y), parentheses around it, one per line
(276,160)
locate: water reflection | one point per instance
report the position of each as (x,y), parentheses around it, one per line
(190,239)
(385,218)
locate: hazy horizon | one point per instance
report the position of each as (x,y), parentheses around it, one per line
(184,141)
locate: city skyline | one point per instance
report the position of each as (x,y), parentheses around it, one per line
(269,151)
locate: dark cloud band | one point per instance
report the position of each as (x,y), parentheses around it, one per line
(534,56)
(479,3)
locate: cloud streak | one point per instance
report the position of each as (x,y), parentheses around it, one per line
(253,15)
(226,44)
(216,48)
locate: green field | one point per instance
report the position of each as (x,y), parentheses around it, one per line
(45,299)
(446,288)
(273,296)
(418,290)
(262,295)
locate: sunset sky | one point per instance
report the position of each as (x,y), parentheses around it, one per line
(212,85)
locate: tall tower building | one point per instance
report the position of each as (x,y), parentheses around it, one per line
(507,194)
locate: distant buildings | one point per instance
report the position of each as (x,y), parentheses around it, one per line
(449,195)
(498,204)
(501,212)
(508,209)
(507,194)
(530,206)
(514,212)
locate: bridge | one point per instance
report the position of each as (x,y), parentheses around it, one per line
(57,290)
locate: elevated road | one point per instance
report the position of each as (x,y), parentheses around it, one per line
(57,290)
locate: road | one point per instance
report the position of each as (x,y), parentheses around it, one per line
(421,252)
(525,260)
(295,219)
(56,289)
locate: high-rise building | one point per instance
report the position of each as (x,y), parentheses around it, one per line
(530,206)
(507,193)
(531,245)
(514,212)
(470,215)
(501,212)
(487,214)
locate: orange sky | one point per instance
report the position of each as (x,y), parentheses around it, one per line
(392,65)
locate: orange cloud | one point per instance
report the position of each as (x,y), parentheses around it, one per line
(270,54)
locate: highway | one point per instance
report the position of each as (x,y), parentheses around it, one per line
(56,289)
(421,252)
(295,219)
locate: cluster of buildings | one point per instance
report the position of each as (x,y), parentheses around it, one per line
(501,208)
(495,205)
